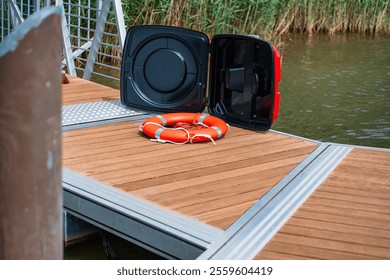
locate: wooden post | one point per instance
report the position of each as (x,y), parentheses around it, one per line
(30,139)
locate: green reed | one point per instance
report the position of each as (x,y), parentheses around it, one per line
(270,19)
(267,18)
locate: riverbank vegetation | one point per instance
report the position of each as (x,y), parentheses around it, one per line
(270,19)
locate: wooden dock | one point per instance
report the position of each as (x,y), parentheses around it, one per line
(346,218)
(263,195)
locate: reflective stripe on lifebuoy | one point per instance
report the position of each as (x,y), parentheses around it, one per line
(154,127)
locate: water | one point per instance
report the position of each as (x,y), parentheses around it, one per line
(333,89)
(337,89)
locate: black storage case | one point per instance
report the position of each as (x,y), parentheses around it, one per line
(165,69)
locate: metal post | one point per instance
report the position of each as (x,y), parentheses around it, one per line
(96,39)
(120,22)
(37,5)
(30,137)
(16,14)
(66,40)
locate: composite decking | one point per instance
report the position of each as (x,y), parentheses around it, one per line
(216,190)
(83,91)
(215,184)
(348,217)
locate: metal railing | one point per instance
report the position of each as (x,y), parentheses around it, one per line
(93,33)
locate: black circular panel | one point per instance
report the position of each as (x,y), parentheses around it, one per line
(165,70)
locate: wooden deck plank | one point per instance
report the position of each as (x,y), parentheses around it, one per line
(280,256)
(220,157)
(222,186)
(360,209)
(362,230)
(223,217)
(126,179)
(342,219)
(355,246)
(82,91)
(242,167)
(348,217)
(355,198)
(189,156)
(339,188)
(287,251)
(192,177)
(336,236)
(133,144)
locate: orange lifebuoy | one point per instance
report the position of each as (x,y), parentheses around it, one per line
(160,128)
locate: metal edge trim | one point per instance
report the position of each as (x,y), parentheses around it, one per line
(130,229)
(360,147)
(287,203)
(123,236)
(248,236)
(239,223)
(296,136)
(137,208)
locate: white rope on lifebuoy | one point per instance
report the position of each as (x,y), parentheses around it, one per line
(158,139)
(160,129)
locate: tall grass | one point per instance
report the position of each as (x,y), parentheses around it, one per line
(268,18)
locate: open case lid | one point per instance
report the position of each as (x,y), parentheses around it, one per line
(165,69)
